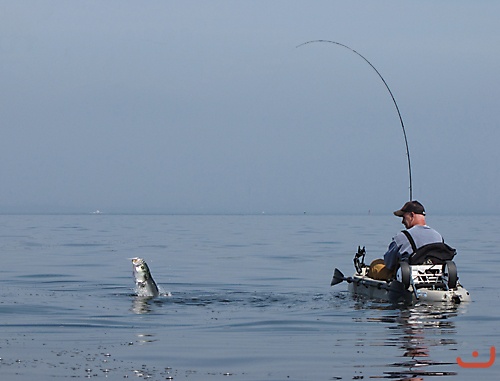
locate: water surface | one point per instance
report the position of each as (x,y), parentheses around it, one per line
(250,300)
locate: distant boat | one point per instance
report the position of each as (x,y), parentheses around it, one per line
(97,212)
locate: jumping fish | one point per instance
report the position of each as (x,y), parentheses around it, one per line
(144,282)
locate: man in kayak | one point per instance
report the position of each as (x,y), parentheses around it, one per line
(413,214)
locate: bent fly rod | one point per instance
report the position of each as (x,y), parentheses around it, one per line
(390,92)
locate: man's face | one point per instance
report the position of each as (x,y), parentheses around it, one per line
(408,219)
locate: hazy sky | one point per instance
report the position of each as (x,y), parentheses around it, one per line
(209,107)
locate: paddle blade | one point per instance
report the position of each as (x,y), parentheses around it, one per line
(338,277)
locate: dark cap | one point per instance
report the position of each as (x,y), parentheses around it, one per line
(410,206)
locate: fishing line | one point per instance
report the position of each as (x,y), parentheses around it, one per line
(388,89)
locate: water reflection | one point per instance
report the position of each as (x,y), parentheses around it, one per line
(420,332)
(146,338)
(142,304)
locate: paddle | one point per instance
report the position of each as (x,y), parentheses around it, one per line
(338,277)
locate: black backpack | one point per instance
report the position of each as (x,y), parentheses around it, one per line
(432,253)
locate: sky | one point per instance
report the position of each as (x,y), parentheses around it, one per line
(210,107)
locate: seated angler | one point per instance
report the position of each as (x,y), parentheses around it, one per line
(401,247)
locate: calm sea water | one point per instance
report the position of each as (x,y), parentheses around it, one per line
(250,300)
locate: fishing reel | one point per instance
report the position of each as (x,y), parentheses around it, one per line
(359,259)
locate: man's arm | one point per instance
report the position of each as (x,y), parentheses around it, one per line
(391,257)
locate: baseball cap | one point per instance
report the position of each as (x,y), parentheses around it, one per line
(410,206)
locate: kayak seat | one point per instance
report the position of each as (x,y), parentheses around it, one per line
(433,253)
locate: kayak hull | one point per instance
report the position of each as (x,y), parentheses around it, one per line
(394,291)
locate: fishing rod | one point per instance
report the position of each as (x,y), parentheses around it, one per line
(388,89)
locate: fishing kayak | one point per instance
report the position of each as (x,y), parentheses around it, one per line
(412,283)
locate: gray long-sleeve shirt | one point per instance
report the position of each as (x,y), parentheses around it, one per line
(400,248)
